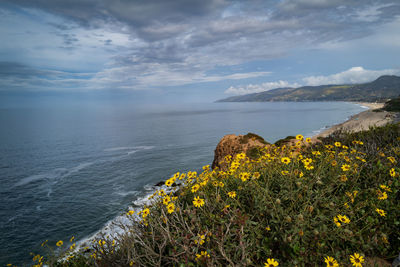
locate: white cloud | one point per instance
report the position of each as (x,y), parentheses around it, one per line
(371,13)
(352,75)
(257,88)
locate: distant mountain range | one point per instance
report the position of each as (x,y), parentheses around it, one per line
(384,88)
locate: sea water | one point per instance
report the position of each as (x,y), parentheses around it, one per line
(68,172)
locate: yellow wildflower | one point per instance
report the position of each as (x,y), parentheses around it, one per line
(244,176)
(271,263)
(171,207)
(343,178)
(195,188)
(268,228)
(232,194)
(345,167)
(382,195)
(357,260)
(166,200)
(198,202)
(316,153)
(309,167)
(307,161)
(392,172)
(336,221)
(44,243)
(338,144)
(200,239)
(170,181)
(308,140)
(241,156)
(284,173)
(386,188)
(59,243)
(145,213)
(285,160)
(256,175)
(343,218)
(331,262)
(72,238)
(381,212)
(391,159)
(299,137)
(203,254)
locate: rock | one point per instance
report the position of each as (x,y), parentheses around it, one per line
(160,183)
(233,144)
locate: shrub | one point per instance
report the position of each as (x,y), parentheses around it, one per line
(295,205)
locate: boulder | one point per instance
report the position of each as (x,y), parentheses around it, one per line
(234,144)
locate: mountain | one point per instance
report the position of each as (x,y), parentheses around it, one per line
(384,88)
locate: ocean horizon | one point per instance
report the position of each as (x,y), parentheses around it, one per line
(69,172)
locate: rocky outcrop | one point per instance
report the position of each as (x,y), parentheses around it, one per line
(233,144)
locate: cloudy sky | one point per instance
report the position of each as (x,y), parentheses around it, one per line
(194,50)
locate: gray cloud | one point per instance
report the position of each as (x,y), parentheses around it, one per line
(18,76)
(182,40)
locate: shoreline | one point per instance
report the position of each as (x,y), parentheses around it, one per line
(363,120)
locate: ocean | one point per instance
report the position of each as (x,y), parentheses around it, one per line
(68,172)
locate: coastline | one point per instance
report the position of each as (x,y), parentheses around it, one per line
(357,122)
(363,120)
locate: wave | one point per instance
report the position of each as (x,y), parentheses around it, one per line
(124,194)
(56,174)
(60,173)
(121,148)
(113,227)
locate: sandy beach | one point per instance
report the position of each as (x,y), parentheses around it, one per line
(363,120)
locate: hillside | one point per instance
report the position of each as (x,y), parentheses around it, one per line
(392,105)
(383,88)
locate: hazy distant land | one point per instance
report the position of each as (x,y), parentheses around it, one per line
(384,88)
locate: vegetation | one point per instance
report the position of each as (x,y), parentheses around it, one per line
(330,203)
(285,140)
(392,105)
(245,138)
(383,88)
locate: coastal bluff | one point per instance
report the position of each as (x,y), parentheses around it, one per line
(231,144)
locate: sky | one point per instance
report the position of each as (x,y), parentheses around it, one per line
(190,51)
